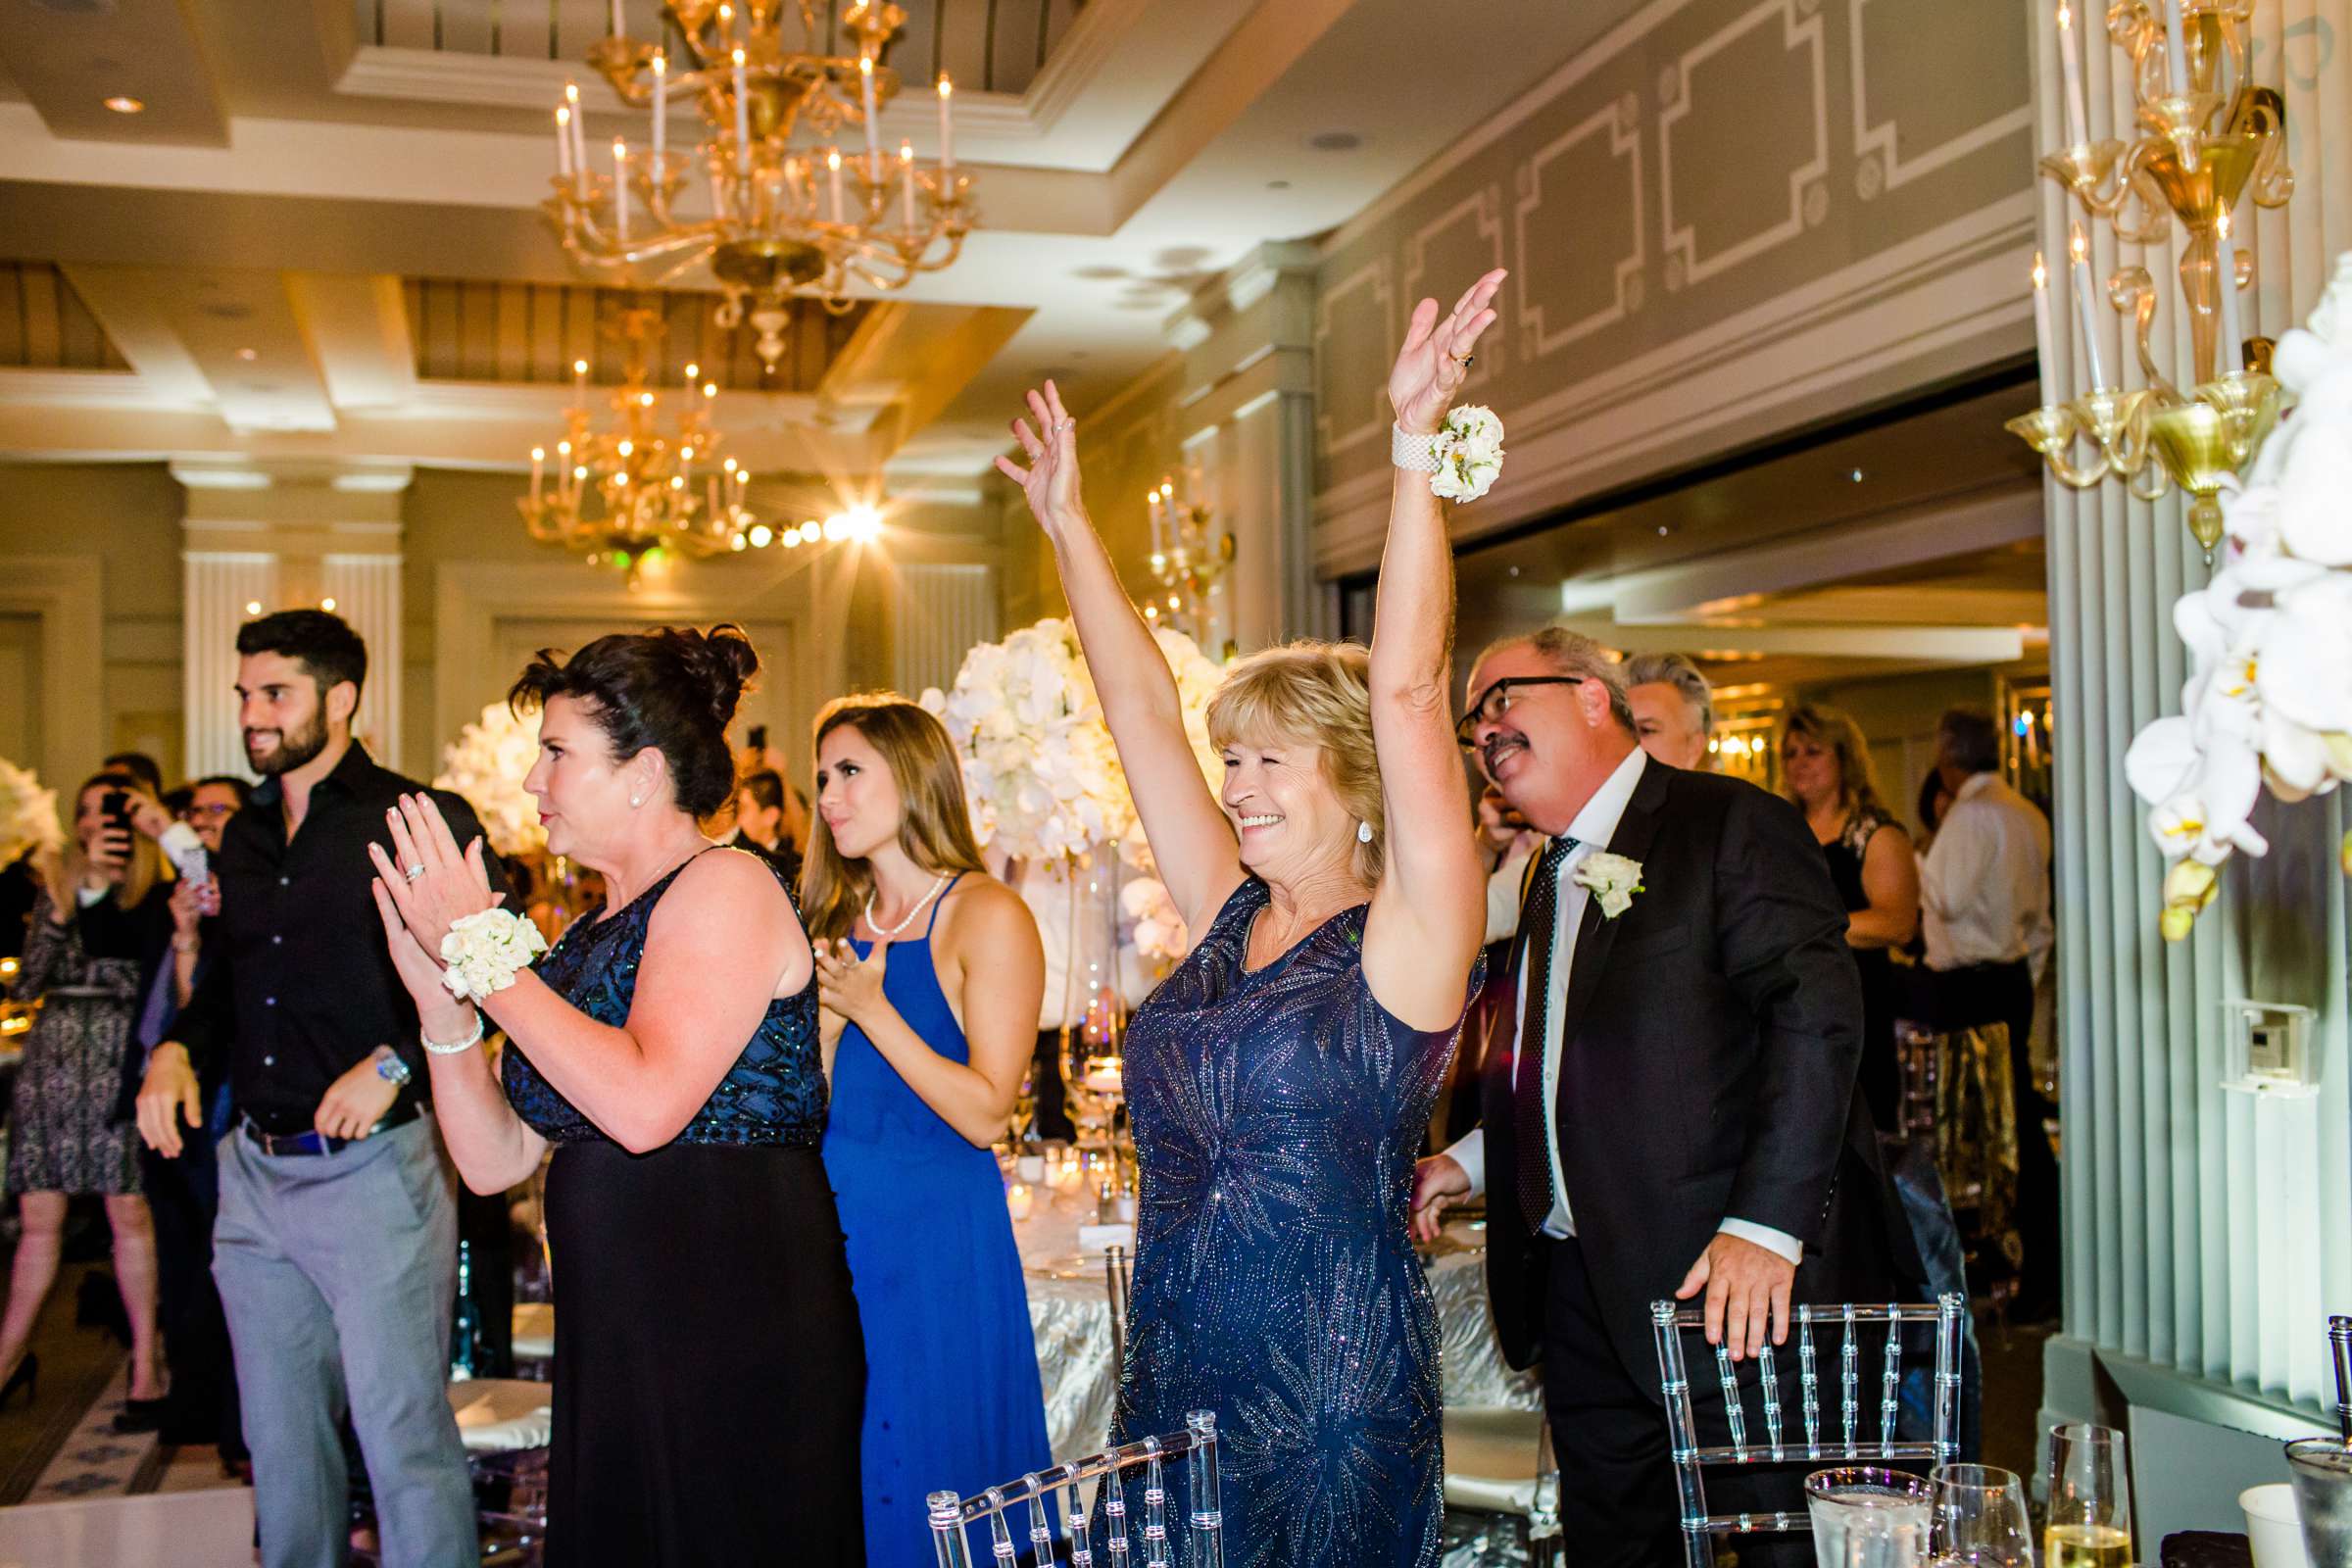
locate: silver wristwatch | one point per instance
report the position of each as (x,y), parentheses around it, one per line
(389,1066)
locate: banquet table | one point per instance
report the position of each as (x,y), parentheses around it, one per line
(1069,1311)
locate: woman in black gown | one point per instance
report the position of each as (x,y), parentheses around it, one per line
(1824,769)
(709,1372)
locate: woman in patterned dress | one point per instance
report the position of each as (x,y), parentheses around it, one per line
(1825,771)
(1281,1080)
(103,912)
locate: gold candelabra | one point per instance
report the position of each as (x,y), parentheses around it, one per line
(656,494)
(783,221)
(2198,151)
(1188,558)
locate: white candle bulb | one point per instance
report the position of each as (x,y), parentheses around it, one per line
(833,176)
(743,117)
(2079,247)
(906,179)
(538,469)
(621,188)
(2176,50)
(2070,63)
(2232,358)
(946,124)
(873,121)
(562,141)
(580,134)
(660,111)
(620,27)
(580,384)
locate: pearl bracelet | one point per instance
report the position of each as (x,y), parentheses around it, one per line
(455,1048)
(1415,454)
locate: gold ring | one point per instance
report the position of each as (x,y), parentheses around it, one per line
(1463,360)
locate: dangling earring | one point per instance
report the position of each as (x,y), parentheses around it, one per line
(1363,832)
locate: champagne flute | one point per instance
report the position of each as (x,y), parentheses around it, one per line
(1980,1518)
(2090,1499)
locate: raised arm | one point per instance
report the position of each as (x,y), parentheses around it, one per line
(1428,915)
(1198,856)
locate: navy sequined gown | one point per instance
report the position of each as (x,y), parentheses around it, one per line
(1277,1116)
(710,1373)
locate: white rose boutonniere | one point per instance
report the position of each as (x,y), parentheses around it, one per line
(485,950)
(1612,878)
(1469,453)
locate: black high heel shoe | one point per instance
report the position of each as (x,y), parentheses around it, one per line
(27,1376)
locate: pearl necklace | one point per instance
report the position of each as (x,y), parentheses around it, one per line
(892,935)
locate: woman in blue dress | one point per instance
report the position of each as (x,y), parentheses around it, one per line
(708,1369)
(1281,1080)
(930,974)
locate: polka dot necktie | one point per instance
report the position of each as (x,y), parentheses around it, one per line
(1539,924)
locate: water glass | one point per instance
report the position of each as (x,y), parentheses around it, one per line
(1868,1518)
(1980,1518)
(2321,1470)
(2090,1499)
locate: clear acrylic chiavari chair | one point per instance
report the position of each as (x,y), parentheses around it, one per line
(1851,1331)
(1200,1544)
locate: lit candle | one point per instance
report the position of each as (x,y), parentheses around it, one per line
(2079,248)
(743,117)
(1104,1076)
(946,124)
(2078,119)
(2175,51)
(907,182)
(562,470)
(580,134)
(621,188)
(1151,505)
(2226,258)
(562,141)
(580,384)
(660,111)
(618,26)
(873,122)
(538,469)
(833,174)
(1018,1198)
(2041,305)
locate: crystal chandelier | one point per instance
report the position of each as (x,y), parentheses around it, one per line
(2198,151)
(634,497)
(783,221)
(1188,559)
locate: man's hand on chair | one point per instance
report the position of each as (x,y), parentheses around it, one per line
(1747,1292)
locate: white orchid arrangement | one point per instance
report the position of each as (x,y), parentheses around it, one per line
(1039,766)
(27,814)
(2269,694)
(487,764)
(1159,934)
(1468,448)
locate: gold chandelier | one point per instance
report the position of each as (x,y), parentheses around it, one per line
(2200,149)
(1188,557)
(816,220)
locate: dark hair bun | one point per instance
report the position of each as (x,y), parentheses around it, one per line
(720,661)
(673,687)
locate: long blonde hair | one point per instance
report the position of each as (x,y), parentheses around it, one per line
(1321,694)
(145,867)
(1835,729)
(935,824)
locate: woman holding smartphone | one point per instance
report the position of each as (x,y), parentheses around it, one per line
(104,908)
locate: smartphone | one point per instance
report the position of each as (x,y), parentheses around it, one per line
(114,809)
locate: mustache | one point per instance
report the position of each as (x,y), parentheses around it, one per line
(1491,749)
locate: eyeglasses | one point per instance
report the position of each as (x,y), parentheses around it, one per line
(1495,701)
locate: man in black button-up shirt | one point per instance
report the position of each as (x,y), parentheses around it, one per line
(337,1244)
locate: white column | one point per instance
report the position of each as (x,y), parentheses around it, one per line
(365,589)
(223,589)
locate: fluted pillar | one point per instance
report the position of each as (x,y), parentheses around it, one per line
(2208,1231)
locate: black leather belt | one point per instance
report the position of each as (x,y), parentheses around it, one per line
(315,1142)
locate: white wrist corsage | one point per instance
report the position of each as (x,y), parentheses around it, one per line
(485,950)
(1612,879)
(1462,460)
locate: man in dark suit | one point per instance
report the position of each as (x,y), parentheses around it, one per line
(759,816)
(1685,1107)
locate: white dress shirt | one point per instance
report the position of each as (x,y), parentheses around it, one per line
(1985,889)
(1593,828)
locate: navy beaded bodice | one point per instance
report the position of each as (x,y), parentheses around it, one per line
(773,1095)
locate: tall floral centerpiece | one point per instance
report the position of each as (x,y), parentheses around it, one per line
(1046,788)
(487,764)
(2268,698)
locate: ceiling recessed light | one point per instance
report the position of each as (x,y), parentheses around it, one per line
(1335,141)
(248,355)
(1278,184)
(124,103)
(1858,476)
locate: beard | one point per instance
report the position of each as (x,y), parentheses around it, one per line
(294,747)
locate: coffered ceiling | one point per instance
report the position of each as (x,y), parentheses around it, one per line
(319,239)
